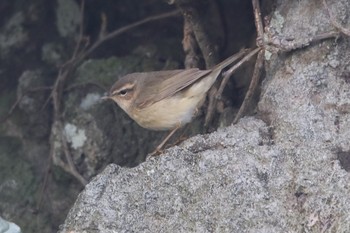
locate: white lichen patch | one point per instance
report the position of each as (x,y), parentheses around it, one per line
(278,22)
(74,135)
(89,100)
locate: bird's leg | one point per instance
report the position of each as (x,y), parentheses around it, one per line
(160,146)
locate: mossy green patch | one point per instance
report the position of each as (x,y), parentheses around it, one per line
(106,71)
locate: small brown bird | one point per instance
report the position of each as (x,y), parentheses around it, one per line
(165,100)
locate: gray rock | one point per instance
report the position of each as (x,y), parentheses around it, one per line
(234,180)
(8,227)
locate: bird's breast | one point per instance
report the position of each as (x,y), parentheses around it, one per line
(168,113)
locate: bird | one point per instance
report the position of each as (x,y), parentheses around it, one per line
(167,99)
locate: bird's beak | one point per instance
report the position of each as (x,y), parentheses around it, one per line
(106,97)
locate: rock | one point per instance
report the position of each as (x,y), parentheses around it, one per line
(8,227)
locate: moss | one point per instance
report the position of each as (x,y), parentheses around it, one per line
(106,71)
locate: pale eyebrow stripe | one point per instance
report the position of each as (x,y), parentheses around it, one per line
(127,86)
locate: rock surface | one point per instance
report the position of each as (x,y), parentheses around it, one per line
(237,179)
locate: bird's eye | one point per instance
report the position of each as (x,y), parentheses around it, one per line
(123,92)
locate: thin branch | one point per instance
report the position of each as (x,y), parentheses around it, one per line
(196,14)
(190,46)
(252,87)
(44,185)
(72,168)
(213,92)
(285,45)
(230,71)
(13,107)
(258,23)
(125,29)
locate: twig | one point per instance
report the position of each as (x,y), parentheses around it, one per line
(103,29)
(285,45)
(253,84)
(43,186)
(125,29)
(194,13)
(190,46)
(57,91)
(211,105)
(56,95)
(13,107)
(230,71)
(70,162)
(224,81)
(258,23)
(214,93)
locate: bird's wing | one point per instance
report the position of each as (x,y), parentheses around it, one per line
(166,84)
